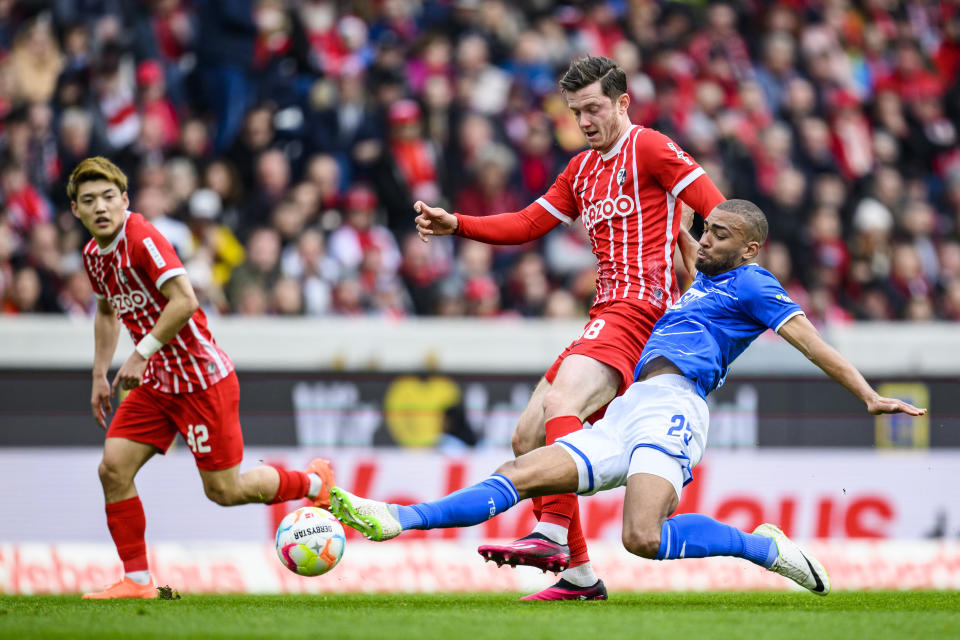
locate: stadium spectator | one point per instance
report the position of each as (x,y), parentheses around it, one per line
(851,99)
(259,272)
(361,233)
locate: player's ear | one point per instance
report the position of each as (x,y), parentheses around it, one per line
(623,101)
(751,251)
(126,200)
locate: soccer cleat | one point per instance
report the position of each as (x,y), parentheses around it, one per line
(126,588)
(323,469)
(564,590)
(371,518)
(793,563)
(534,550)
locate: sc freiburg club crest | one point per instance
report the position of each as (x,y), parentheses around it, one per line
(621,177)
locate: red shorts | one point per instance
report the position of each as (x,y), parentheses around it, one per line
(615,335)
(208,420)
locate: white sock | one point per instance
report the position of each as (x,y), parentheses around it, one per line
(581,575)
(553,531)
(140,577)
(316,484)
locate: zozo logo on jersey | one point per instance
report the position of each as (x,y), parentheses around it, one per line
(607,209)
(123,302)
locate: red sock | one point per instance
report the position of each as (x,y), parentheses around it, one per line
(561,426)
(293,486)
(560,509)
(127,524)
(577,541)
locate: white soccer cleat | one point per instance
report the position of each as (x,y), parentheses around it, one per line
(793,563)
(370,517)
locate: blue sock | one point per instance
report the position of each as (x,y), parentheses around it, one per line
(464,508)
(692,535)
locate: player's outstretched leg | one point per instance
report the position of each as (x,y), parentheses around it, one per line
(692,535)
(382,521)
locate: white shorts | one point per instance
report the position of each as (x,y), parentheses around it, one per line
(659,426)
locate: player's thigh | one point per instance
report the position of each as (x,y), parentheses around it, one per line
(662,423)
(543,471)
(529,432)
(599,363)
(582,386)
(209,421)
(138,430)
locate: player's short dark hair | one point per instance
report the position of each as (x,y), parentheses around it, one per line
(755,229)
(585,71)
(93,169)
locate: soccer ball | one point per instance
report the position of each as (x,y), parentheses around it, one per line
(310,541)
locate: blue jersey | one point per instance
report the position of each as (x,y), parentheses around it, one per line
(715,320)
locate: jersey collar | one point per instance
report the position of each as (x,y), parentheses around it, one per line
(113,243)
(615,151)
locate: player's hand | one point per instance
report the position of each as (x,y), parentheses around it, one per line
(433,221)
(100,400)
(879,405)
(130,374)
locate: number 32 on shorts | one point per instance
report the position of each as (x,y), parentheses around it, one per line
(197,436)
(593,329)
(680,428)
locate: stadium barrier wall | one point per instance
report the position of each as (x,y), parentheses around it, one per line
(438,566)
(40,407)
(876,520)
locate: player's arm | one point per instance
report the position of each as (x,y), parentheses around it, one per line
(504,228)
(800,333)
(687,247)
(106,332)
(181,304)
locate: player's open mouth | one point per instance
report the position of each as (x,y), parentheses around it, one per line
(101,221)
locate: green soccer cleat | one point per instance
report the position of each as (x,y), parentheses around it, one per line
(373,519)
(793,563)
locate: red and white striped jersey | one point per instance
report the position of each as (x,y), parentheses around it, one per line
(628,200)
(129,273)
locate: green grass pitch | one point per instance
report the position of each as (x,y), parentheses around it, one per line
(872,615)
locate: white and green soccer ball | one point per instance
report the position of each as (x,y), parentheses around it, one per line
(310,541)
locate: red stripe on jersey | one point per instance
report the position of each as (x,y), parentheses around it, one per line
(127,274)
(626,199)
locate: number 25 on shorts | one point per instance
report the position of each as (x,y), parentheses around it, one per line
(197,437)
(680,428)
(593,329)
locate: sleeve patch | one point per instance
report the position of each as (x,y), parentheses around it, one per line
(154,253)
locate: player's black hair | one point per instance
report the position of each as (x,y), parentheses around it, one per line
(755,229)
(586,71)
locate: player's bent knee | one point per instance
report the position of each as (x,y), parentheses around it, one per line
(556,404)
(520,443)
(222,495)
(528,436)
(643,542)
(113,476)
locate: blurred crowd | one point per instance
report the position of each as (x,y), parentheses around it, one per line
(280,145)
